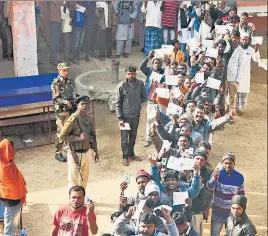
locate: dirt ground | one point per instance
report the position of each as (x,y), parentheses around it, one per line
(47,179)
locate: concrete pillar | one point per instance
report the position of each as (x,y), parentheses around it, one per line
(22,16)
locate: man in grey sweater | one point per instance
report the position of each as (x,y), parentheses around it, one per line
(130,94)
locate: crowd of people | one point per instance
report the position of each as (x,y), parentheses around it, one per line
(198,80)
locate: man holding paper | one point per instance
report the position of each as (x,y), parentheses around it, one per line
(153,77)
(130,94)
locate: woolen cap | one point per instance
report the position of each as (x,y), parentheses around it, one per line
(228,156)
(187,117)
(240,200)
(143,173)
(151,187)
(199,152)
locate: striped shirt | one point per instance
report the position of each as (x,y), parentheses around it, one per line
(169,17)
(224,189)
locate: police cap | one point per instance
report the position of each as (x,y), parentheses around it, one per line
(81,98)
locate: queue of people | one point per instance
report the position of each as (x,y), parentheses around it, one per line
(194,86)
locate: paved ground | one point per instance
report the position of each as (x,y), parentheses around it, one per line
(47,179)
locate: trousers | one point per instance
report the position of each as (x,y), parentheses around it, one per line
(73,173)
(123,44)
(197,223)
(11,220)
(128,137)
(233,87)
(54,35)
(105,42)
(216,225)
(150,108)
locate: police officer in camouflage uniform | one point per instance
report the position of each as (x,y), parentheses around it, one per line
(78,133)
(63,96)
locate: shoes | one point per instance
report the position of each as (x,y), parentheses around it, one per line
(102,59)
(125,55)
(75,61)
(125,162)
(147,144)
(59,157)
(54,63)
(142,51)
(117,56)
(110,56)
(87,59)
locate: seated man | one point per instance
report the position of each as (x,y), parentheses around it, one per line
(147,224)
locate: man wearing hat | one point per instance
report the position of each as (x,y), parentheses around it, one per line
(183,226)
(78,133)
(150,86)
(226,183)
(142,178)
(63,96)
(130,94)
(238,223)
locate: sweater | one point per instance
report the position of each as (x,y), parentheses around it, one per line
(224,189)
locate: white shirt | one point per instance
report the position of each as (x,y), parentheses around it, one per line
(153,14)
(66,19)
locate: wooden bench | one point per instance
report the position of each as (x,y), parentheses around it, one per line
(25,100)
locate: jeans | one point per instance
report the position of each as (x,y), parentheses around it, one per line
(183,48)
(11,220)
(77,41)
(54,34)
(216,224)
(67,38)
(128,137)
(168,34)
(105,42)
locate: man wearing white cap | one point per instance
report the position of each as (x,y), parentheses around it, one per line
(244,83)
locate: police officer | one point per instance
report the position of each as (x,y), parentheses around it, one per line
(63,96)
(78,133)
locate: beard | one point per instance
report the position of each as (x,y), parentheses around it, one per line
(244,46)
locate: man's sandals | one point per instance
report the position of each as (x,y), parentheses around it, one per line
(125,162)
(133,158)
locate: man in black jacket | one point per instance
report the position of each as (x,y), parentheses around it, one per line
(238,223)
(202,203)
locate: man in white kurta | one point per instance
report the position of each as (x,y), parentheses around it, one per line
(244,83)
(126,12)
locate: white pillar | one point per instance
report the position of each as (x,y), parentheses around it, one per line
(22,16)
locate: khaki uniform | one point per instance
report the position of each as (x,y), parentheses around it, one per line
(62,93)
(74,126)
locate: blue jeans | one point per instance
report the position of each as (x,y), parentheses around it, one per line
(183,48)
(216,224)
(11,220)
(77,41)
(54,34)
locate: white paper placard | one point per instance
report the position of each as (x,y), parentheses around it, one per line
(256,40)
(199,78)
(212,52)
(126,127)
(177,93)
(172,80)
(87,200)
(179,198)
(180,164)
(220,29)
(213,83)
(163,206)
(81,9)
(139,209)
(174,109)
(156,77)
(263,63)
(193,43)
(166,145)
(208,43)
(162,93)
